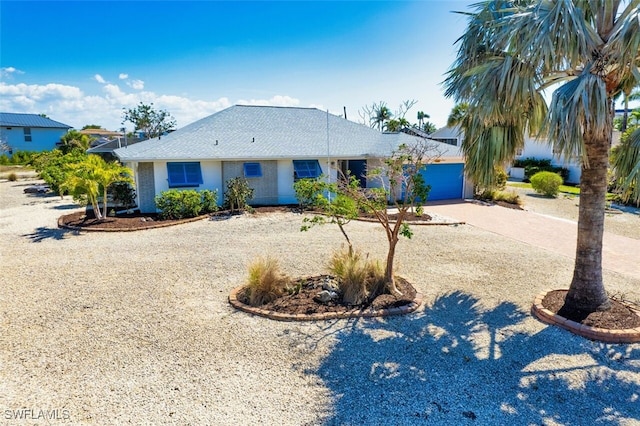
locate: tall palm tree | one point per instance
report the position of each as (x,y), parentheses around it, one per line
(457,114)
(381,114)
(511,51)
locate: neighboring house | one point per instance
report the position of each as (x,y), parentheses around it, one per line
(533,148)
(101,134)
(272,147)
(448,135)
(105,147)
(542,149)
(30,132)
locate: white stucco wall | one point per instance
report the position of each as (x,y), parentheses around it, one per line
(211,177)
(286,194)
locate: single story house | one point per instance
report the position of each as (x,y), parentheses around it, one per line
(272,147)
(30,132)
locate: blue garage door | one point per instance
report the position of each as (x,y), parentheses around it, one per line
(445,180)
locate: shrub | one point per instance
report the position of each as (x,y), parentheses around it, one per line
(501,178)
(123,194)
(12,177)
(510,197)
(175,204)
(238,193)
(209,201)
(309,192)
(358,278)
(265,283)
(546,183)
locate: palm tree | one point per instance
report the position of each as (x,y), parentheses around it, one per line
(381,114)
(457,114)
(511,51)
(91,178)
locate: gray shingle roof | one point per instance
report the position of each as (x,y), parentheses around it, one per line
(8,119)
(264,132)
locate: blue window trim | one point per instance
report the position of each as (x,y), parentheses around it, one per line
(184,174)
(303,169)
(252,170)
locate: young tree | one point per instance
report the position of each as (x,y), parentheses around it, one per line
(145,118)
(402,184)
(511,51)
(91,178)
(331,198)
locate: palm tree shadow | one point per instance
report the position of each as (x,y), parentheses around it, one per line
(458,363)
(44,233)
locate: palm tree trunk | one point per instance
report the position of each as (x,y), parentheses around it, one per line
(587,293)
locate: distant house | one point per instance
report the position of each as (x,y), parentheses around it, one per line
(105,147)
(101,134)
(30,132)
(533,148)
(273,147)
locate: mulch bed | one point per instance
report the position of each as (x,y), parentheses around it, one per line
(137,221)
(619,317)
(303,303)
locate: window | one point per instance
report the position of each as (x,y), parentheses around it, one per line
(27,134)
(448,141)
(306,169)
(252,170)
(184,174)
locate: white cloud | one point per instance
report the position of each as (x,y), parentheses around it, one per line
(136,84)
(7,72)
(70,105)
(277,100)
(99,79)
(123,76)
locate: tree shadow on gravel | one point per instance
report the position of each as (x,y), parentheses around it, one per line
(458,363)
(44,233)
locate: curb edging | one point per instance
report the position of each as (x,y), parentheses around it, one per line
(362,313)
(627,335)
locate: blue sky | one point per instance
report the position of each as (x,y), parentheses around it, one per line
(81,62)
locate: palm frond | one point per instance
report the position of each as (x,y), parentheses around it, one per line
(626,166)
(578,106)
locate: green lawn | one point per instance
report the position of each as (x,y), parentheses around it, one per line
(573,190)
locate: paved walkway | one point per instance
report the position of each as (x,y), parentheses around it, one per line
(619,254)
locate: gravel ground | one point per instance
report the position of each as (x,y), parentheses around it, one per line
(112,328)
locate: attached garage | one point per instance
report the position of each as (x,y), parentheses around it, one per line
(446,180)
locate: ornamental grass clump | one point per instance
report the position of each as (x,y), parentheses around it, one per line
(266,282)
(546,183)
(359,278)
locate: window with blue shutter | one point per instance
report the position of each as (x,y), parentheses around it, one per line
(184,174)
(306,169)
(252,170)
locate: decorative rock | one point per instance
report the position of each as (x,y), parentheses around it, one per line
(325,296)
(330,285)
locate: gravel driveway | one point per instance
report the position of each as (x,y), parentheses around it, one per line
(113,328)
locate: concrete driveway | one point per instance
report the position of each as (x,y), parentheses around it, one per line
(619,254)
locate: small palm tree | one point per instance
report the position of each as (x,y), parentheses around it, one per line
(510,53)
(91,178)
